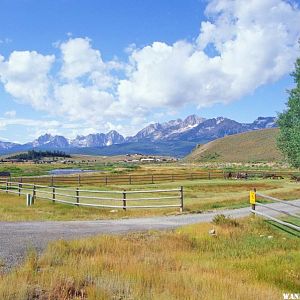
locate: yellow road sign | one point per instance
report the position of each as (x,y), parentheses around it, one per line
(252,197)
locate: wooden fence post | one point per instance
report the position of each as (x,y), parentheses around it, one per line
(77,196)
(124,200)
(21,182)
(53,194)
(19,189)
(105,180)
(6,185)
(33,194)
(152,179)
(181,199)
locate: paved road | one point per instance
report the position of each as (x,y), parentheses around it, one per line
(17,237)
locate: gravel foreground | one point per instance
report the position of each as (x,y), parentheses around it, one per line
(17,238)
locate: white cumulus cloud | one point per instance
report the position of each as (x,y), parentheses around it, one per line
(25,75)
(82,102)
(80,59)
(242,45)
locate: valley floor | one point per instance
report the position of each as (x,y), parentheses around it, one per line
(247,258)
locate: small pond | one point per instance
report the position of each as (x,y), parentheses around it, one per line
(69,171)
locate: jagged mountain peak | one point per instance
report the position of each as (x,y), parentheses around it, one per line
(7,145)
(55,141)
(192,120)
(264,122)
(192,129)
(113,133)
(158,131)
(44,138)
(98,139)
(172,123)
(195,128)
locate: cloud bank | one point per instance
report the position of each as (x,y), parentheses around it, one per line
(239,48)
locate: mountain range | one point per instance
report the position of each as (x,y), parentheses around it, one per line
(176,137)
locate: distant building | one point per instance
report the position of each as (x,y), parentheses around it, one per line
(147,159)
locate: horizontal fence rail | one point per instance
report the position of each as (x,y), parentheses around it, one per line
(254,202)
(125,179)
(163,198)
(130,179)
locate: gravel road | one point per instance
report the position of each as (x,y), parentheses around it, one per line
(17,237)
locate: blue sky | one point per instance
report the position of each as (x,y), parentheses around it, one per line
(77,67)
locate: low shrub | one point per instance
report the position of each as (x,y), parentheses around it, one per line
(225,220)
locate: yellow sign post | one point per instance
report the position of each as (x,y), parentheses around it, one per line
(252,197)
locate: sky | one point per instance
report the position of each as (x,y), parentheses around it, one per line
(75,67)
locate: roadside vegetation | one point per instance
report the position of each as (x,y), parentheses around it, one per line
(244,259)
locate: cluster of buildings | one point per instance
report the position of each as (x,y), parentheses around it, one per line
(139,158)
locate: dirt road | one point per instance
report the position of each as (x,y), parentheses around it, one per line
(17,237)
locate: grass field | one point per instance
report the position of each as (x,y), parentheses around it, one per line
(114,168)
(247,259)
(32,169)
(200,195)
(254,146)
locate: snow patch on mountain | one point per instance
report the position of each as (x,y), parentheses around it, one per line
(191,129)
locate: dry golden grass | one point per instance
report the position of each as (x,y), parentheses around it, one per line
(258,145)
(241,262)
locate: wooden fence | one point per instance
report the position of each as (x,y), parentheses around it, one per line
(166,198)
(133,179)
(110,179)
(254,203)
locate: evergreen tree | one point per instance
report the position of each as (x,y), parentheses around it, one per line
(289,123)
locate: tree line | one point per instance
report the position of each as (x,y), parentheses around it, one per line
(36,155)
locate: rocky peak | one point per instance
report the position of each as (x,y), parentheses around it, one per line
(56,141)
(192,120)
(264,122)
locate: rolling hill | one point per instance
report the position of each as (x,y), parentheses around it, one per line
(253,146)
